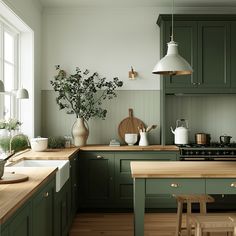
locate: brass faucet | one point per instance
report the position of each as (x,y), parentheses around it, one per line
(12,138)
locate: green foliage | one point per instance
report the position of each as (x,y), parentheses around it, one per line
(19,143)
(56,142)
(11,124)
(79,93)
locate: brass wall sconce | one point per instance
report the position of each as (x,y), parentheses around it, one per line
(132,74)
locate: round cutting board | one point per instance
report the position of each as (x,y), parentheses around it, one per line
(12,177)
(129,125)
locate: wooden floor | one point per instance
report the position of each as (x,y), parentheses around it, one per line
(121,224)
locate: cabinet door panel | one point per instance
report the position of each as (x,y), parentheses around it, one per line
(21,223)
(213,54)
(185,34)
(233,55)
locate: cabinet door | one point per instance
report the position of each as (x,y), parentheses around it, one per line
(213,54)
(21,224)
(185,34)
(74,187)
(233,55)
(42,206)
(96,179)
(124,180)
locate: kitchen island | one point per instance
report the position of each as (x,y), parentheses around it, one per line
(179,178)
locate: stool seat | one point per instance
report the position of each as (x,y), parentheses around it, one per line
(202,199)
(214,223)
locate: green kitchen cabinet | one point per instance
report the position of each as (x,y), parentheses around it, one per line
(61,211)
(42,206)
(124,181)
(73,186)
(185,33)
(105,179)
(35,216)
(96,173)
(233,55)
(204,41)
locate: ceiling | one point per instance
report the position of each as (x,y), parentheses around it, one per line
(148,3)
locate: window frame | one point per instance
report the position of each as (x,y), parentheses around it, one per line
(11,30)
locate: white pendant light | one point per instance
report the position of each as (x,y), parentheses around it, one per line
(22,93)
(172,63)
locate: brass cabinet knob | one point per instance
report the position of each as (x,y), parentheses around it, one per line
(233,185)
(46,194)
(99,157)
(174,185)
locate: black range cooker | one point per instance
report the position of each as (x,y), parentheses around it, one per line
(213,152)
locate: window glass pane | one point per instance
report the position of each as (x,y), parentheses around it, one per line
(7,106)
(8,47)
(8,77)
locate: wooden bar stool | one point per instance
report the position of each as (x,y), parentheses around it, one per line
(189,199)
(213,223)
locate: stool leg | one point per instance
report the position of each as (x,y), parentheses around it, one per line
(234,231)
(188,223)
(179,219)
(203,208)
(198,230)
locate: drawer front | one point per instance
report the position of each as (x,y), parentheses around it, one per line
(175,186)
(221,186)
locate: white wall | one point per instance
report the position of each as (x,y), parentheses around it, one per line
(108,41)
(30,11)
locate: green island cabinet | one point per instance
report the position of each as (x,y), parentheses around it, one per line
(105,179)
(207,43)
(35,217)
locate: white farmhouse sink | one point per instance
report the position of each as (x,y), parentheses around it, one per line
(62,174)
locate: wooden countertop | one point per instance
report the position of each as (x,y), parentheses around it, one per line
(49,154)
(129,148)
(12,196)
(180,169)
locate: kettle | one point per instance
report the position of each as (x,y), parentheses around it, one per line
(181,132)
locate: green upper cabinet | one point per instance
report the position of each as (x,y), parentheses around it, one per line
(185,35)
(233,55)
(213,54)
(207,43)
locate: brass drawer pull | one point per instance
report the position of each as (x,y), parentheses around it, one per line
(46,194)
(174,185)
(233,185)
(99,157)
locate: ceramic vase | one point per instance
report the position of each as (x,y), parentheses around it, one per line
(80,132)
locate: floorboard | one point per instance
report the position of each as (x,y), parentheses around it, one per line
(121,224)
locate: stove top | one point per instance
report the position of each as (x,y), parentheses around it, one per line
(211,145)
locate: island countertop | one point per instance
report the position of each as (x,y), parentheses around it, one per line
(180,169)
(14,195)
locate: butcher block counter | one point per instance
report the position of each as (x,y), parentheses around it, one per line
(178,178)
(14,195)
(129,148)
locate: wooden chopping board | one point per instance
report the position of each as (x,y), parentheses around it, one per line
(12,177)
(129,125)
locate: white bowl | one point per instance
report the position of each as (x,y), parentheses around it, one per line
(131,139)
(39,144)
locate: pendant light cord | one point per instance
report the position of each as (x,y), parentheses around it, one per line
(172,19)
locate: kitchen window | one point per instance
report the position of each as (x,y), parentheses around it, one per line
(9,64)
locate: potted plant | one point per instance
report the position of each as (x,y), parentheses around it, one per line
(13,125)
(82,94)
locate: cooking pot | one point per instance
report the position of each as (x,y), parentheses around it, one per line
(39,144)
(181,132)
(202,139)
(225,139)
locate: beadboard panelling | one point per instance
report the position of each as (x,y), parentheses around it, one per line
(146,106)
(213,114)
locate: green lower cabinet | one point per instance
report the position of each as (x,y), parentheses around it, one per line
(105,179)
(96,179)
(42,206)
(35,217)
(124,180)
(61,211)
